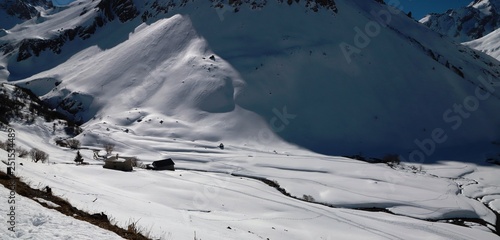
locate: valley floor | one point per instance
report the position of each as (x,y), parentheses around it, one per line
(216,202)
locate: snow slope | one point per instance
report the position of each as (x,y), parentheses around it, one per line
(489,44)
(476,25)
(278,91)
(217,205)
(34,221)
(295,84)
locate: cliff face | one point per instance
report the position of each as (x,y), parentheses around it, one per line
(13,12)
(105,11)
(24,9)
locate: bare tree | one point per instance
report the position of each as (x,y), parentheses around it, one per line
(308,198)
(73,143)
(21,152)
(38,155)
(109,147)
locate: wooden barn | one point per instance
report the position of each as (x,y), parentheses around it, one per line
(123,164)
(165,164)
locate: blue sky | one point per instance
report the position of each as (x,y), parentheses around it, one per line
(61,2)
(420,8)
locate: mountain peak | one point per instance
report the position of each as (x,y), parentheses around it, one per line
(474,21)
(486,7)
(480,4)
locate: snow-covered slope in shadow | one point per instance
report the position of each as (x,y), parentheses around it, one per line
(394,91)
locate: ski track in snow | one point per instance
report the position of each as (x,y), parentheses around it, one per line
(253,191)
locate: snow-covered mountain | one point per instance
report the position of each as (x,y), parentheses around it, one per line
(284,76)
(13,12)
(478,19)
(277,82)
(475,25)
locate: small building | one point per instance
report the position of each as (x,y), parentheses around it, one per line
(124,164)
(165,164)
(97,156)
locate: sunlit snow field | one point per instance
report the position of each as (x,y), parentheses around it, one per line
(205,198)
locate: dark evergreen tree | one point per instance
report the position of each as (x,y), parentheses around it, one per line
(78,158)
